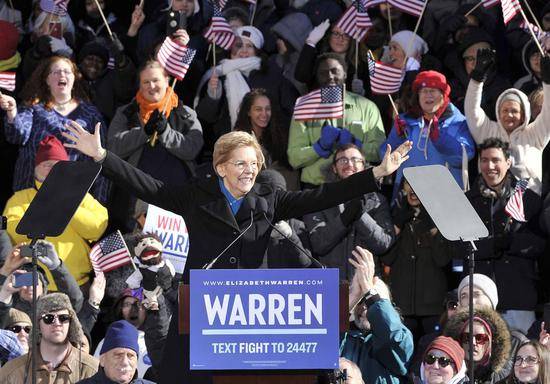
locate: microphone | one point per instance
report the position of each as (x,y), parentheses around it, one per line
(298,247)
(210,264)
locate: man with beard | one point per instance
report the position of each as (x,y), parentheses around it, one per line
(381,345)
(58,360)
(109,87)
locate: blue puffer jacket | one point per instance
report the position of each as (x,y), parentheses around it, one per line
(383,355)
(446,150)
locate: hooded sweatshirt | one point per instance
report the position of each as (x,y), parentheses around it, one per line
(529,82)
(526,142)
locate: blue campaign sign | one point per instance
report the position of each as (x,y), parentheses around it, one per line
(264,319)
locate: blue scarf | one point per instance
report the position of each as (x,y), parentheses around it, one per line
(234,203)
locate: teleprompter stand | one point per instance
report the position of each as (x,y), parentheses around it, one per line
(454,217)
(49,214)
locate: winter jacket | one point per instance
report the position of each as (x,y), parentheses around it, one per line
(76,366)
(418,280)
(452,148)
(172,159)
(362,118)
(526,142)
(293,30)
(332,241)
(509,254)
(72,246)
(383,355)
(101,378)
(500,363)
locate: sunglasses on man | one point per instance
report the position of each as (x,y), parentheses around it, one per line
(49,318)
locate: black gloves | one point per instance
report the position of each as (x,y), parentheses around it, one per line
(545,69)
(352,211)
(485,61)
(156,123)
(116,49)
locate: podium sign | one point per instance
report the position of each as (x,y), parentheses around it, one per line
(247,319)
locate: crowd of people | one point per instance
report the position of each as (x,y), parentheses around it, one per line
(473,98)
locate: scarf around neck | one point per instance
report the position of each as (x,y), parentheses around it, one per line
(146,108)
(11,63)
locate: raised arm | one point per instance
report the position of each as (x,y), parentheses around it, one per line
(133,180)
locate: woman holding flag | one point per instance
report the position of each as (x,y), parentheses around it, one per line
(155,109)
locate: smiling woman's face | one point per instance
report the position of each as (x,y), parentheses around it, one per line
(153,84)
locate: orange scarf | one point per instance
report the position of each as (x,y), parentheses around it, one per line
(146,107)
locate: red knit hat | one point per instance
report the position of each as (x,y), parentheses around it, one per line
(50,148)
(451,347)
(10,39)
(432,79)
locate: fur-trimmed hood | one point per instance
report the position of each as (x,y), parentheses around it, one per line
(501,342)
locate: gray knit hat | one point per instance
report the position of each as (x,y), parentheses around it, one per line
(53,302)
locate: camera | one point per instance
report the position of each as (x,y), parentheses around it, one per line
(176,20)
(26,251)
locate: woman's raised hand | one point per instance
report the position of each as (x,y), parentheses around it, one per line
(82,140)
(8,104)
(392,160)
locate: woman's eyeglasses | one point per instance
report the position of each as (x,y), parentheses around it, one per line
(480,338)
(49,318)
(242,165)
(528,360)
(442,360)
(59,72)
(19,328)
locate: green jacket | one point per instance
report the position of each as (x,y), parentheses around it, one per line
(361,117)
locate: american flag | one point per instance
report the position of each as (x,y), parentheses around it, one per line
(489,3)
(538,33)
(110,253)
(220,32)
(175,58)
(56,7)
(355,21)
(413,7)
(373,3)
(514,207)
(7,81)
(510,8)
(384,79)
(323,103)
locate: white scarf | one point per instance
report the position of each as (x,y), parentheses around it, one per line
(235,85)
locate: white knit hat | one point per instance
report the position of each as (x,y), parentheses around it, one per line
(484,283)
(251,33)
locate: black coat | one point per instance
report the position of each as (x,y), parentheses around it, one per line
(509,254)
(212,227)
(209,220)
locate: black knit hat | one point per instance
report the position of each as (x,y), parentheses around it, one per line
(474,36)
(96,49)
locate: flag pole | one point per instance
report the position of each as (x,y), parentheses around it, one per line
(141,4)
(473,9)
(356,59)
(343,103)
(531,30)
(164,108)
(414,33)
(253,14)
(125,246)
(389,19)
(533,15)
(213,53)
(104,20)
(393,105)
